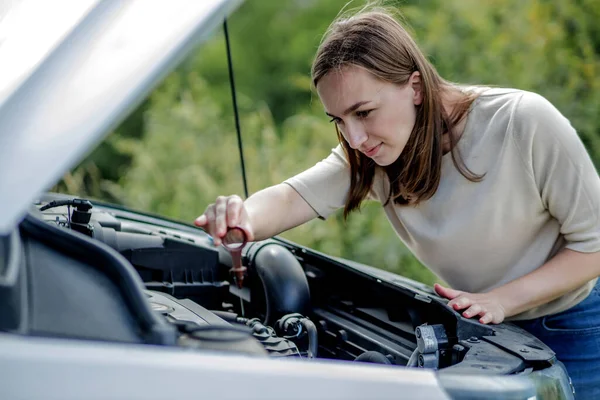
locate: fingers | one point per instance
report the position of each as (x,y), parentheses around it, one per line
(201,220)
(485,305)
(225,213)
(495,317)
(487,318)
(234,211)
(475,309)
(220,216)
(446,292)
(211,224)
(458,299)
(460,303)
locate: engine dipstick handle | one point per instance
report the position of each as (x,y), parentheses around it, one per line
(234,241)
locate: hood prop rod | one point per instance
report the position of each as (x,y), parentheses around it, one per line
(235,107)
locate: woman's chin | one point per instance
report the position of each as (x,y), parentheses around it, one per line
(383,159)
(386,156)
(383,164)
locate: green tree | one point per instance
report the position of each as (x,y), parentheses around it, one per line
(179,150)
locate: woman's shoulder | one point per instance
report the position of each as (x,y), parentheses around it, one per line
(522,100)
(528,120)
(495,97)
(522,108)
(491,91)
(511,106)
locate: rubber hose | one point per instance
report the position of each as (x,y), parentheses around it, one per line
(414,358)
(374,357)
(313,337)
(282,279)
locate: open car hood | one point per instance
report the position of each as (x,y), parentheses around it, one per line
(72,71)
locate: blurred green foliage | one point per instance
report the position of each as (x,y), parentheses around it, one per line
(178,150)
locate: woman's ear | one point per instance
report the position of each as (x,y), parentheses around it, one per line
(415,82)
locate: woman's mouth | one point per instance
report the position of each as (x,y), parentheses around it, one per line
(372,151)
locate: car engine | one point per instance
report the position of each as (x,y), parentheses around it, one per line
(222,330)
(182,275)
(88,271)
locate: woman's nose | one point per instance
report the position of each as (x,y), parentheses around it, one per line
(356,135)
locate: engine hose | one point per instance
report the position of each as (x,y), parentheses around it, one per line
(313,337)
(374,357)
(229,316)
(414,358)
(282,280)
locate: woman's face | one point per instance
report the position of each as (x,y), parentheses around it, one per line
(375,117)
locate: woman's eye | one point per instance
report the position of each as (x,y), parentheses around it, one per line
(335,119)
(363,114)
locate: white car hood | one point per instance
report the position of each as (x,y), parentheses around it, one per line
(70,71)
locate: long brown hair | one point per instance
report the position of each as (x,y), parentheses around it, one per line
(373,39)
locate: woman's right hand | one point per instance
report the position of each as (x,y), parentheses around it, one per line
(226,212)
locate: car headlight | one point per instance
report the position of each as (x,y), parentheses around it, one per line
(551,383)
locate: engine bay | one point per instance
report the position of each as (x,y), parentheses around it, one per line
(89,267)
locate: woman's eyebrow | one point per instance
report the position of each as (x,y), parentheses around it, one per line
(351,108)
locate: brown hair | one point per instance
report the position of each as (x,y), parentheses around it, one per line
(373,39)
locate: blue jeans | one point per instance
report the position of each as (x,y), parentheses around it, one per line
(574,335)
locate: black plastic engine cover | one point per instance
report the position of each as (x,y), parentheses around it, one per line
(62,283)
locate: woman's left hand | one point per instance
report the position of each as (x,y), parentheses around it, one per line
(485,305)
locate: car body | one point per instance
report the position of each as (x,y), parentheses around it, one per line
(101,301)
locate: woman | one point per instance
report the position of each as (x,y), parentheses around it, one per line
(490,188)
